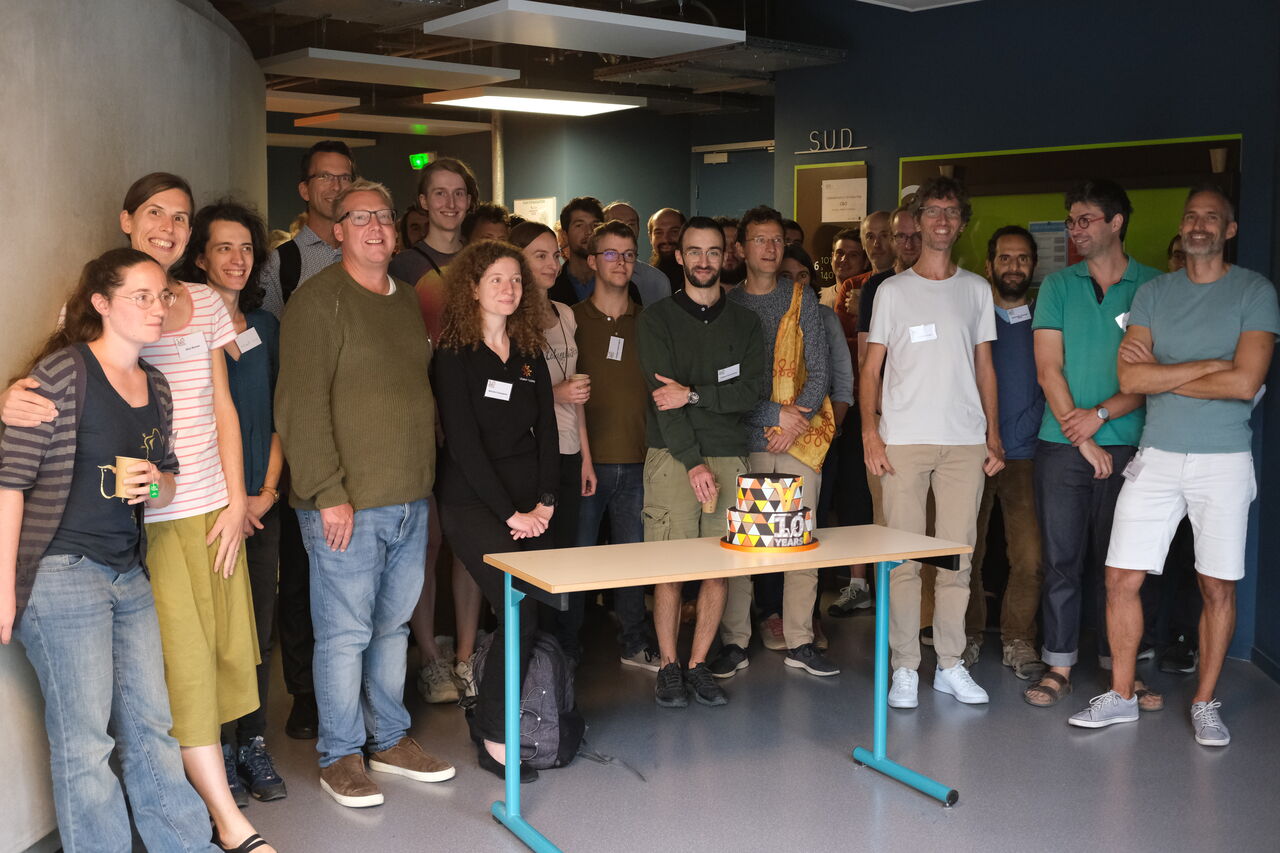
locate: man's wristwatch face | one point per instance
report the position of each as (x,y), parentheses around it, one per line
(547,499)
(1103,414)
(693,397)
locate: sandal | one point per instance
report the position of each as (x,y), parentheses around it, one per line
(253,842)
(1148,700)
(1055,691)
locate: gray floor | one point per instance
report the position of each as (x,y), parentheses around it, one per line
(771,771)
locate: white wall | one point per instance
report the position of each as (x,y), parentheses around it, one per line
(94,94)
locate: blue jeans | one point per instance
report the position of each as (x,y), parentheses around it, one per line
(361,600)
(620,490)
(94,641)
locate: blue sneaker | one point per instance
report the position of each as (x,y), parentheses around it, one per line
(238,792)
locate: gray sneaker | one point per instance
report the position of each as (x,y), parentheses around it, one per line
(852,598)
(1210,730)
(1106,710)
(812,661)
(645,658)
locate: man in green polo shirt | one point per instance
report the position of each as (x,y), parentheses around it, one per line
(1090,429)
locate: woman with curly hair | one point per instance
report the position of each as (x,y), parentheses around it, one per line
(498,475)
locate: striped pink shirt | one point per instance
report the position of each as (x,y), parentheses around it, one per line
(185,356)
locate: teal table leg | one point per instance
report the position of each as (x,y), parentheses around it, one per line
(875,759)
(508,812)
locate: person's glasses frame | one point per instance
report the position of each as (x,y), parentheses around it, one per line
(360,218)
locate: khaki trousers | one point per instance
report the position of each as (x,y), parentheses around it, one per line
(954,472)
(799,588)
(1013,486)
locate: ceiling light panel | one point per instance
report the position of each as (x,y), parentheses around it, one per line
(412,125)
(305,103)
(540,101)
(387,70)
(306,140)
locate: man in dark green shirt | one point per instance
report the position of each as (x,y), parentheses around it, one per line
(704,361)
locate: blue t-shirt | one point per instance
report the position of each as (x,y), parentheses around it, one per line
(1192,322)
(1021,398)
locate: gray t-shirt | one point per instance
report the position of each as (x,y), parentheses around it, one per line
(1190,322)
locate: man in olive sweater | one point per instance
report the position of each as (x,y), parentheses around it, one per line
(704,360)
(357,418)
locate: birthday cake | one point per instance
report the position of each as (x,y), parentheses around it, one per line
(769,515)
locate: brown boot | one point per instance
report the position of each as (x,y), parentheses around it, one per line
(407,759)
(348,784)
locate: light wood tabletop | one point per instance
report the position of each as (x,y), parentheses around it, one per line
(641,563)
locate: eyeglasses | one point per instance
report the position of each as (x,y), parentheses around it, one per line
(907,238)
(1082,222)
(360,218)
(767,241)
(934,211)
(327,178)
(144,300)
(709,254)
(612,256)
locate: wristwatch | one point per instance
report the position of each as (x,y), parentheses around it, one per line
(694,397)
(1103,414)
(547,499)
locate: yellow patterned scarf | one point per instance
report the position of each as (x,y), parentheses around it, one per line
(789,375)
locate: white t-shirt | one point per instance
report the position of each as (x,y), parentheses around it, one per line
(185,357)
(561,353)
(930,329)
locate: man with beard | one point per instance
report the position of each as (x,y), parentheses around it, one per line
(664,237)
(1091,426)
(704,360)
(937,426)
(733,271)
(648,279)
(1199,345)
(1011,262)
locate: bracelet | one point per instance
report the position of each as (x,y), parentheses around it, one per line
(275,495)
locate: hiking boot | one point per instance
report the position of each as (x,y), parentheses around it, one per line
(644,659)
(348,784)
(1106,710)
(254,764)
(436,684)
(304,718)
(1210,730)
(703,686)
(732,658)
(959,683)
(902,693)
(1022,658)
(407,759)
(238,792)
(854,597)
(669,691)
(771,634)
(1182,656)
(812,661)
(972,648)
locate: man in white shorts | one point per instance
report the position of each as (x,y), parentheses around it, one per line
(1198,345)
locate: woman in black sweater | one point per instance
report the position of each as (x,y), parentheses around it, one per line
(497,478)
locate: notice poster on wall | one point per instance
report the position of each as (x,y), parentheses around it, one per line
(844,200)
(542,210)
(1051,246)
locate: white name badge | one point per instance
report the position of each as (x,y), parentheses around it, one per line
(1133,469)
(190,344)
(497,390)
(615,348)
(724,374)
(1021,314)
(248,339)
(923,332)
(1122,320)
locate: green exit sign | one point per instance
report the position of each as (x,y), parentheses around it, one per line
(420,161)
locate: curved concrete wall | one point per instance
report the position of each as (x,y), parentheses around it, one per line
(94,95)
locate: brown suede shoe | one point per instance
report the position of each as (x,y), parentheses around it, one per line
(407,759)
(346,781)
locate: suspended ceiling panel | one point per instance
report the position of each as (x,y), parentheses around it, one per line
(387,70)
(748,67)
(305,103)
(412,125)
(571,28)
(306,140)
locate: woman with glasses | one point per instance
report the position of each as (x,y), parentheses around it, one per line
(227,252)
(499,473)
(73,563)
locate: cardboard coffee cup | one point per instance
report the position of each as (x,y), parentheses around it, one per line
(709,505)
(578,377)
(120,470)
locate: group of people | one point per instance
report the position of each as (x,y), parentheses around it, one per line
(455,375)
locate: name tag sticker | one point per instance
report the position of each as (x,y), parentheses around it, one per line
(191,344)
(724,374)
(248,339)
(1122,320)
(923,332)
(496,390)
(1021,314)
(615,348)
(1133,469)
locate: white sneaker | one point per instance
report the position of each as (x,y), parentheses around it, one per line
(435,682)
(465,678)
(959,683)
(902,692)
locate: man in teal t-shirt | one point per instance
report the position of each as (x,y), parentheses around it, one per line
(1199,345)
(1090,428)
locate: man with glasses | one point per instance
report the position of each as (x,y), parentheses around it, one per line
(776,427)
(352,406)
(651,282)
(937,426)
(703,360)
(1091,427)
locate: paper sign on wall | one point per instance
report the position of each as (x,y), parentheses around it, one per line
(844,200)
(1051,248)
(542,210)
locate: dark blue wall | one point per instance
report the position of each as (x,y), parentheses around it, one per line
(1004,74)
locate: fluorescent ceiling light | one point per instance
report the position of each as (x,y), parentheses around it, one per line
(392,124)
(541,101)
